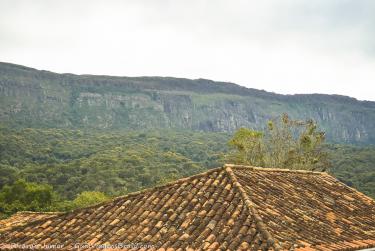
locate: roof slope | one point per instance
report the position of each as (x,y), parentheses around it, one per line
(310,209)
(230,208)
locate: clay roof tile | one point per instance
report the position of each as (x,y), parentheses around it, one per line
(233,207)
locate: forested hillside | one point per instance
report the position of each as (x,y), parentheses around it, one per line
(114,163)
(33,98)
(73,161)
(355,166)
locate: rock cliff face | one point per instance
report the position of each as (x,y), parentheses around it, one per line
(33,98)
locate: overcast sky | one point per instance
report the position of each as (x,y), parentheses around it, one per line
(284,46)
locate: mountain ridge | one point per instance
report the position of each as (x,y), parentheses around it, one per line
(338,96)
(39,98)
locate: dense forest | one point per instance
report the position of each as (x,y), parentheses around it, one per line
(73,168)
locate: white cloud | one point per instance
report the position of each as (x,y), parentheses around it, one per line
(278,45)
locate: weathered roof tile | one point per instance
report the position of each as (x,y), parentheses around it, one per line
(22,218)
(235,208)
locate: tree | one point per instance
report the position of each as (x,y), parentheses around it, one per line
(25,196)
(248,147)
(89,198)
(285,143)
(8,174)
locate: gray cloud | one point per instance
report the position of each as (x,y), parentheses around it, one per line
(287,46)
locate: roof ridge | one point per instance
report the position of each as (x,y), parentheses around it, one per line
(251,206)
(268,169)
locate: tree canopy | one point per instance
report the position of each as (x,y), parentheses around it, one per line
(76,162)
(285,143)
(26,196)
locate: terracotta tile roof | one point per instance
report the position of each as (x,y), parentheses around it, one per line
(229,208)
(309,209)
(22,218)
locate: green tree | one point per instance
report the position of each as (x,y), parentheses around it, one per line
(25,196)
(8,174)
(248,147)
(285,143)
(89,198)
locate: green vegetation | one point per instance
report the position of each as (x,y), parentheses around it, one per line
(60,169)
(285,143)
(114,163)
(24,196)
(28,196)
(88,198)
(355,166)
